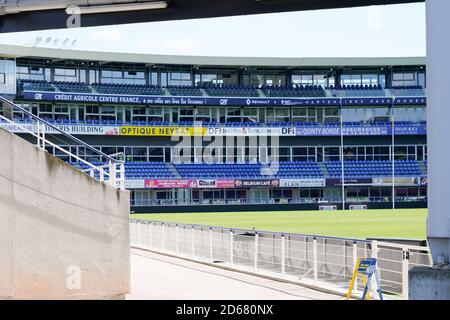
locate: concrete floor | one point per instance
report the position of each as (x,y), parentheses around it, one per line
(159,277)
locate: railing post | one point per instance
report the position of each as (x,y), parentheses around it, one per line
(315,260)
(102,175)
(177,247)
(405,274)
(150,233)
(375,256)
(122,176)
(283,254)
(112,174)
(193,241)
(43,136)
(256,251)
(231,247)
(163,244)
(91,173)
(210,243)
(354,262)
(139,234)
(38,133)
(132,227)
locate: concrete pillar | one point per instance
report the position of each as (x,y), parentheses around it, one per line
(438,114)
(429,284)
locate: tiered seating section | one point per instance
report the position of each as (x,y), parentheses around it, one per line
(127,89)
(137,170)
(224,90)
(357,91)
(295,91)
(66,86)
(220,170)
(369,169)
(234,90)
(185,91)
(407,91)
(34,85)
(286,170)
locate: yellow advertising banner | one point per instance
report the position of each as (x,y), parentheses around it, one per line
(162,131)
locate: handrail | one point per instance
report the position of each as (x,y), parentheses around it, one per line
(40,126)
(90,165)
(248,231)
(59,130)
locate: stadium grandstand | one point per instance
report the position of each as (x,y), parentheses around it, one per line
(300,133)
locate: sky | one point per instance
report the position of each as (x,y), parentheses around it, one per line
(376,31)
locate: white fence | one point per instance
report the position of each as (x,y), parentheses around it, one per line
(312,260)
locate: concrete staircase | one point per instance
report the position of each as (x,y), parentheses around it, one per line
(261,93)
(204,93)
(173,170)
(324,169)
(423,167)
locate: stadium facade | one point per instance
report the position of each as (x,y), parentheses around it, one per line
(230,133)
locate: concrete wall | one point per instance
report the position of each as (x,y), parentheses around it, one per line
(429,284)
(63,235)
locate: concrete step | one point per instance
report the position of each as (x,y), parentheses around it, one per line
(173,170)
(423,168)
(324,169)
(261,93)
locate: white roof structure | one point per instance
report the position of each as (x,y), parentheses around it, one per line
(11,51)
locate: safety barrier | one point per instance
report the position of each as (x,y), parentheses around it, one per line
(312,260)
(113,173)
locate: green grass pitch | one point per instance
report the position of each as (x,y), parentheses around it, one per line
(402,223)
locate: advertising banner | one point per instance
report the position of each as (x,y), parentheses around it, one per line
(86,130)
(348,181)
(274,183)
(224,184)
(251,131)
(169,184)
(302,183)
(399,181)
(18,128)
(421,181)
(215,101)
(206,183)
(172,100)
(335,130)
(69,129)
(134,184)
(162,131)
(215,184)
(411,101)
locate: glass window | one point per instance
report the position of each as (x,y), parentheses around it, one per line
(62,74)
(350,154)
(351,79)
(331,115)
(180,78)
(186,114)
(332,154)
(251,115)
(277,115)
(302,79)
(233,115)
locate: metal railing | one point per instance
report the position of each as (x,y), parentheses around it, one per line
(246,201)
(214,124)
(306,259)
(113,173)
